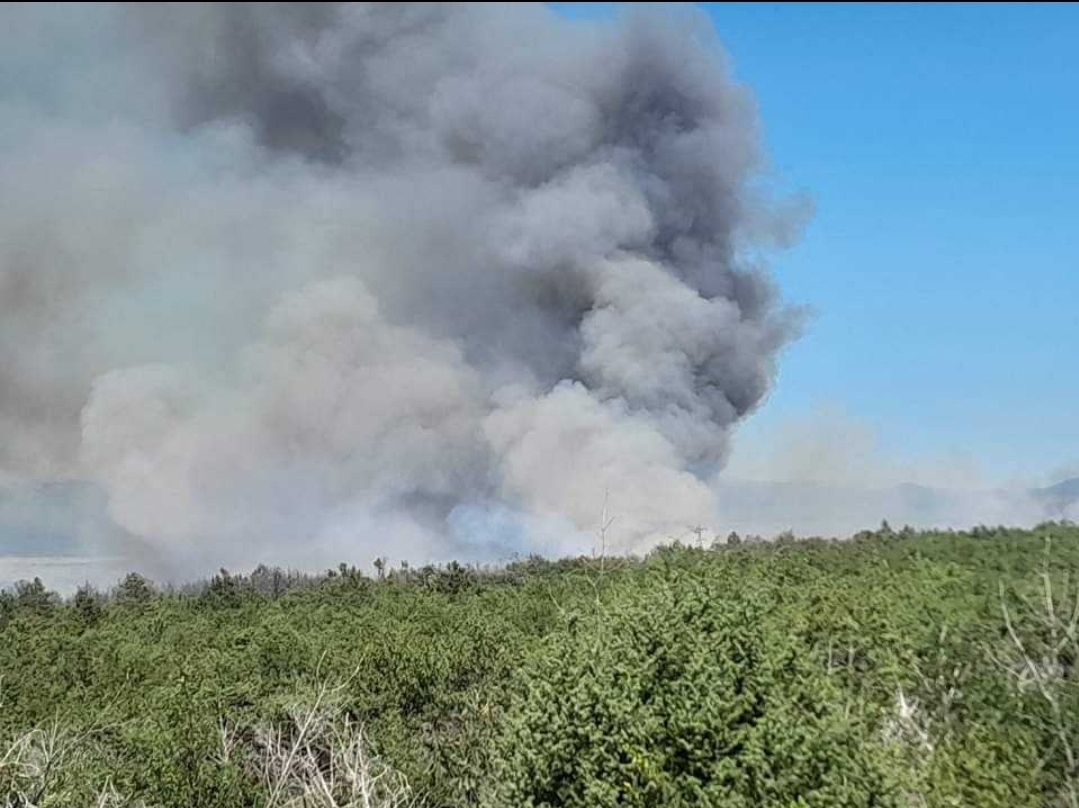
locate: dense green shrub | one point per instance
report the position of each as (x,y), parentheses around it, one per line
(874,671)
(684,694)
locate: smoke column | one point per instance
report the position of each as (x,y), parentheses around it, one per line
(295,283)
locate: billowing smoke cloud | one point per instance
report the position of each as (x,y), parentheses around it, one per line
(297,282)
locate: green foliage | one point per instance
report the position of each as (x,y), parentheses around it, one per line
(224,590)
(683,695)
(31,597)
(875,671)
(87,605)
(7,607)
(134,590)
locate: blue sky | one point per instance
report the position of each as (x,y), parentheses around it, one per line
(940,144)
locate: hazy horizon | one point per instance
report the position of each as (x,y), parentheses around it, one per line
(301,284)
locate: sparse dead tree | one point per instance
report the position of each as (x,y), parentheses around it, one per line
(321,758)
(1042,662)
(48,765)
(605,523)
(907,724)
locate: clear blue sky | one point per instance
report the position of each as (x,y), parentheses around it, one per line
(941,146)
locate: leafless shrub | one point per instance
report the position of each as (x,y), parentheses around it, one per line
(49,765)
(907,724)
(1040,661)
(318,758)
(52,765)
(321,758)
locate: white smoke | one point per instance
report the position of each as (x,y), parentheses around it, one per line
(298,282)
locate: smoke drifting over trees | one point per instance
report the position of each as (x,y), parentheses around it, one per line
(290,279)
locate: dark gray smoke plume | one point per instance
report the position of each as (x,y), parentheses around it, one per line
(297,281)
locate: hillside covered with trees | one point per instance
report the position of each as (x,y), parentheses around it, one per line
(894,669)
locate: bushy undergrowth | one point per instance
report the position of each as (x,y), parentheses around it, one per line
(893,669)
(689,693)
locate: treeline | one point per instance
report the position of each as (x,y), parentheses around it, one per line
(897,668)
(275,582)
(263,582)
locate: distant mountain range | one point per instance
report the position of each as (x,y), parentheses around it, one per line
(1061,499)
(767,508)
